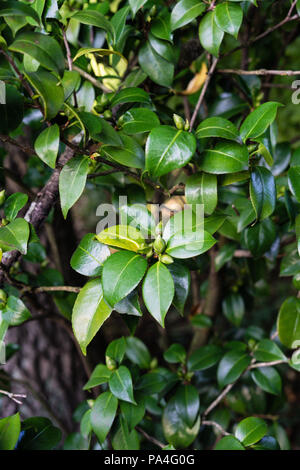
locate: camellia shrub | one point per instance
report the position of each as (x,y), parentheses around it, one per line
(176,123)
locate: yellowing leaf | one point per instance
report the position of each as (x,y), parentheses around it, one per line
(196,82)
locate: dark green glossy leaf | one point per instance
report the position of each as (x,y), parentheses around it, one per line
(262,192)
(89,256)
(139,120)
(138,352)
(205,357)
(211,36)
(103,415)
(50,91)
(72,181)
(233,364)
(268,351)
(233,307)
(225,158)
(229,18)
(156,67)
(14,236)
(182,280)
(175,354)
(229,443)
(47,145)
(201,188)
(217,127)
(184,12)
(259,120)
(158,291)
(13,204)
(250,430)
(268,379)
(15,311)
(120,384)
(288,322)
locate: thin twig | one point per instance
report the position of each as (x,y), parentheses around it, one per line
(13,396)
(266,364)
(203,91)
(283,73)
(91,79)
(216,425)
(69,59)
(150,438)
(218,399)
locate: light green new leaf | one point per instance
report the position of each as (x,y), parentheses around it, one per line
(251,430)
(103,414)
(42,48)
(184,12)
(259,120)
(201,188)
(122,272)
(262,192)
(13,204)
(120,384)
(122,236)
(10,429)
(288,323)
(158,291)
(89,313)
(14,236)
(72,181)
(189,243)
(226,157)
(210,35)
(47,145)
(229,18)
(89,256)
(217,127)
(15,311)
(168,149)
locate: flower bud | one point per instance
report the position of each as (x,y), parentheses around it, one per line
(110,363)
(159,245)
(2,196)
(153,363)
(186,125)
(166,259)
(178,121)
(107,114)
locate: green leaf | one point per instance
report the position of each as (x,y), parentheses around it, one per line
(99,376)
(260,237)
(138,120)
(168,149)
(200,320)
(217,127)
(137,352)
(131,95)
(94,18)
(38,434)
(229,443)
(133,414)
(122,236)
(103,414)
(205,357)
(158,291)
(129,154)
(201,188)
(137,215)
(50,91)
(13,204)
(268,351)
(190,243)
(262,192)
(233,307)
(42,48)
(184,12)
(122,272)
(225,158)
(293,180)
(156,381)
(130,305)
(11,113)
(47,145)
(135,5)
(14,236)
(116,350)
(224,255)
(89,256)
(182,280)
(89,313)
(259,120)
(180,421)
(70,82)
(18,9)
(233,364)
(120,384)
(155,66)
(124,439)
(288,323)
(268,379)
(251,430)
(15,311)
(229,18)
(10,429)
(175,354)
(210,35)
(72,181)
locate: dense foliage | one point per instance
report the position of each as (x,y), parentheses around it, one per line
(134,105)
